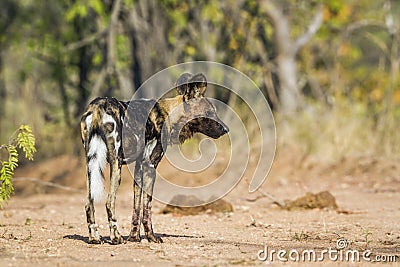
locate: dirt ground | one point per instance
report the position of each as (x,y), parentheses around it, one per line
(46,226)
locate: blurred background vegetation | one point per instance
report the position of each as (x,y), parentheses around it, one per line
(329,69)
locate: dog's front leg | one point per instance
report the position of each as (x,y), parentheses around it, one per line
(134,236)
(149,177)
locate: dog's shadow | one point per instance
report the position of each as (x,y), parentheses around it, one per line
(106,239)
(77,237)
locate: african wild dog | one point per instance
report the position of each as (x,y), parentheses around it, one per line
(151,126)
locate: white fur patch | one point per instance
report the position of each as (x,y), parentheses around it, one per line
(149,148)
(108,118)
(98,154)
(88,121)
(117,146)
(114,134)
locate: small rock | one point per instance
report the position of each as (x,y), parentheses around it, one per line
(321,200)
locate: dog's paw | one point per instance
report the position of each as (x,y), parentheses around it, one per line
(95,241)
(133,238)
(154,238)
(117,240)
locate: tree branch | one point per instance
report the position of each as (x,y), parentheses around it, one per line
(39,181)
(98,83)
(312,29)
(89,39)
(111,36)
(134,21)
(109,67)
(272,11)
(280,22)
(271,197)
(361,24)
(85,41)
(44,58)
(269,85)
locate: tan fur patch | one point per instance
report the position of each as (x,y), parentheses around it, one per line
(173,107)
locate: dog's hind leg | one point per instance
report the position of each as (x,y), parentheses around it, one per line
(115,180)
(95,166)
(149,177)
(94,236)
(134,236)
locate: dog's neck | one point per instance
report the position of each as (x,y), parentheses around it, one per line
(172,105)
(174,109)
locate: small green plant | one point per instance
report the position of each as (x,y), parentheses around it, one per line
(23,139)
(303,236)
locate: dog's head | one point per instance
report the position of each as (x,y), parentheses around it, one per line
(199,114)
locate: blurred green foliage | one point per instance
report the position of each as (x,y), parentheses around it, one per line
(57,55)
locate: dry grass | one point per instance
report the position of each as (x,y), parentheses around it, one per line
(339,132)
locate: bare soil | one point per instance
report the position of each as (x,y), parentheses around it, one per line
(46,226)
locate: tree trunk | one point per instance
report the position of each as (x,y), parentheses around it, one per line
(287,49)
(3,94)
(290,97)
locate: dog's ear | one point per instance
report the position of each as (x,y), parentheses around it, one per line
(191,86)
(182,83)
(197,86)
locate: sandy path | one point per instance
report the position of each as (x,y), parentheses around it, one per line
(50,230)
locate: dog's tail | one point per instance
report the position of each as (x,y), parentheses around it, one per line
(96,156)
